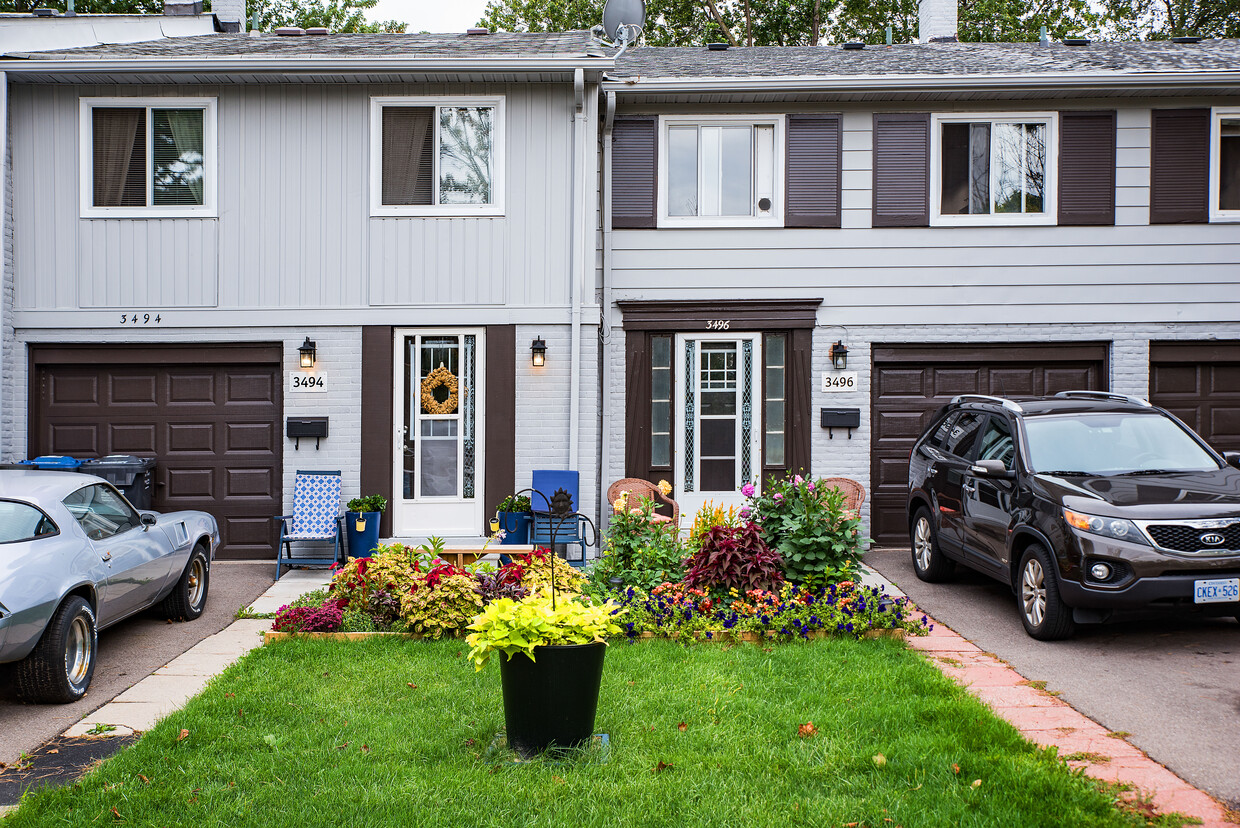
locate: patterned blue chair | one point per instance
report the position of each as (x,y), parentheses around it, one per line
(316,519)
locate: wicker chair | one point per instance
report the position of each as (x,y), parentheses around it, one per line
(638,488)
(854,492)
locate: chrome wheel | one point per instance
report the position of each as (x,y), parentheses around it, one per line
(1033,591)
(923,543)
(79,651)
(196,582)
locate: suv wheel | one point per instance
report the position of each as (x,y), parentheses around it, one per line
(1045,616)
(929,562)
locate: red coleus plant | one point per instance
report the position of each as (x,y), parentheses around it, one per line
(734,557)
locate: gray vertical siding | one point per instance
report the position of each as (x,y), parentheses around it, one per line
(294,229)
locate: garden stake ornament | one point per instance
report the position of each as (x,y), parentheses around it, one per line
(561,505)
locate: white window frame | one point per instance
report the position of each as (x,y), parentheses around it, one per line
(1216,162)
(776,219)
(86,155)
(499,149)
(1050,213)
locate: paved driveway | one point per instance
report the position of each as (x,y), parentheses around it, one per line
(1172,683)
(129,652)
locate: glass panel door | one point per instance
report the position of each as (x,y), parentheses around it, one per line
(718,449)
(438,453)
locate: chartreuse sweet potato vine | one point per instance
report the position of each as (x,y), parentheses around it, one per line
(511,627)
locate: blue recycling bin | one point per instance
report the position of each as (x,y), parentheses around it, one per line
(54,462)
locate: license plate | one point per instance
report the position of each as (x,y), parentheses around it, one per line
(1219,590)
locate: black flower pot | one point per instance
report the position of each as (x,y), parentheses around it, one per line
(552,699)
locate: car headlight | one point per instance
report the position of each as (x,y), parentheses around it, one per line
(1107,527)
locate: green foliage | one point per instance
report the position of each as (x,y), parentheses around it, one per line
(356,620)
(539,568)
(442,605)
(367,503)
(639,551)
(514,503)
(512,627)
(805,521)
(336,15)
(1162,19)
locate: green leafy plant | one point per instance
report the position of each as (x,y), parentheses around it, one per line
(512,627)
(367,503)
(442,603)
(514,503)
(639,551)
(100,728)
(805,521)
(734,557)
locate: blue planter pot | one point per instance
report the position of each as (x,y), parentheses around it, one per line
(362,543)
(517,527)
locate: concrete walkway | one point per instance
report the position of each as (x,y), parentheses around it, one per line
(1039,716)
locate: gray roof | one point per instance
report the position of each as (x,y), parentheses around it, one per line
(958,59)
(498,45)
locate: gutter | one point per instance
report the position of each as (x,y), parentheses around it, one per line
(576,268)
(22,63)
(6,306)
(609,121)
(918,83)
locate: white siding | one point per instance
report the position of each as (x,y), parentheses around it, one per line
(1132,166)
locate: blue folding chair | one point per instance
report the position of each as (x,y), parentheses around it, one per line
(316,519)
(546,482)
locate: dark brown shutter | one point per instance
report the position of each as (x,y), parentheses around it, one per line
(1180,166)
(637,404)
(634,172)
(377,417)
(500,470)
(1087,167)
(902,169)
(799,413)
(813,177)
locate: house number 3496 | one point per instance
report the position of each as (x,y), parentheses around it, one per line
(718,324)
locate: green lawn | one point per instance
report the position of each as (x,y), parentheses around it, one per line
(310,733)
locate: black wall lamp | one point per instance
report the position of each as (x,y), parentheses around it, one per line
(839,355)
(307,352)
(538,352)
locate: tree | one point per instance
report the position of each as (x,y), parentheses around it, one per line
(1161,19)
(337,15)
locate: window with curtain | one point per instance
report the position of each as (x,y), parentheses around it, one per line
(437,156)
(148,158)
(994,170)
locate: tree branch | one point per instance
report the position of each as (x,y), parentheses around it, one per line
(714,12)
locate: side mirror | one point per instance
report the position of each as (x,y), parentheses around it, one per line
(1232,458)
(149,520)
(991,468)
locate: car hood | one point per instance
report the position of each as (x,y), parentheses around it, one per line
(1178,495)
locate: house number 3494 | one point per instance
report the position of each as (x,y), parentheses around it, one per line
(139,319)
(718,324)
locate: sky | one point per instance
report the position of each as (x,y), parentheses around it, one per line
(431,15)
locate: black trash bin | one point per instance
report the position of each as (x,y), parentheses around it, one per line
(134,476)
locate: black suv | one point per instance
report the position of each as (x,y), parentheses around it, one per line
(1084,502)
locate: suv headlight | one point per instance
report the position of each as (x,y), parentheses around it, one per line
(1116,528)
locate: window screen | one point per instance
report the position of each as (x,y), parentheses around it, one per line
(408,154)
(119,138)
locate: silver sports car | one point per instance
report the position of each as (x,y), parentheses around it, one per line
(75,558)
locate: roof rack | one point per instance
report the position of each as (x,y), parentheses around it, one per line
(1103,395)
(1008,404)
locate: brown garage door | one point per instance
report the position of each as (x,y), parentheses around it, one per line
(209,415)
(911,382)
(1199,382)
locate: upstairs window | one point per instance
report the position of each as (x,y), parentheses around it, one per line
(148,158)
(1225,166)
(993,170)
(720,171)
(436,156)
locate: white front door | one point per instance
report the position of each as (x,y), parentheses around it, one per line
(439,406)
(720,390)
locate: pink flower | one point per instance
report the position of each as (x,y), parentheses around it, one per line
(747,490)
(745,512)
(810,487)
(778,496)
(797,479)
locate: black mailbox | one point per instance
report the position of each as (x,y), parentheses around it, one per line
(833,418)
(315,427)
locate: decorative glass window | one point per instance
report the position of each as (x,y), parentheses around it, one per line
(1225,166)
(436,156)
(661,401)
(720,171)
(993,169)
(144,158)
(774,398)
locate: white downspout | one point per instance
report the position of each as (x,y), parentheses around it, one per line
(576,271)
(605,343)
(6,306)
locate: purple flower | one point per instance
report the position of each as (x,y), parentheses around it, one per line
(747,490)
(810,486)
(745,512)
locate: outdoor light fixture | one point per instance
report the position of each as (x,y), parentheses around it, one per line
(307,353)
(839,355)
(538,352)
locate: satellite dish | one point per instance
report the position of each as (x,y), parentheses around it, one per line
(618,14)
